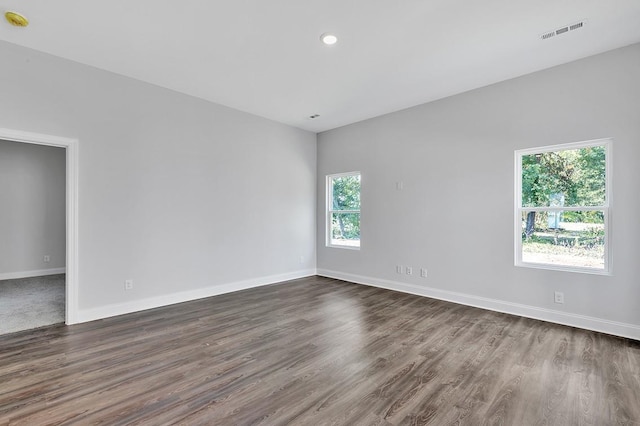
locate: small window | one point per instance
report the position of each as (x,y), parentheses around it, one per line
(343,210)
(563,196)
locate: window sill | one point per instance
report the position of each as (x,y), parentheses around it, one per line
(341,246)
(550,267)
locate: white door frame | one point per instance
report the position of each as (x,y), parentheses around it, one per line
(71,147)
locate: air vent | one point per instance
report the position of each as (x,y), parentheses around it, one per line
(576,26)
(562,30)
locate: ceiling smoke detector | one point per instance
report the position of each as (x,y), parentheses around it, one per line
(562,30)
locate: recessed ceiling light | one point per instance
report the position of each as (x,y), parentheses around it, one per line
(328,38)
(16,19)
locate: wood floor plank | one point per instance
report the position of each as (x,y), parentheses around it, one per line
(318,351)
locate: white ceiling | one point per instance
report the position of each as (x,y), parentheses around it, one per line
(265,57)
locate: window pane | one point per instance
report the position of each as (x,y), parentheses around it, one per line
(564,238)
(574,177)
(345,229)
(346,193)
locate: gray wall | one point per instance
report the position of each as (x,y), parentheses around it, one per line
(176,193)
(32,217)
(455,214)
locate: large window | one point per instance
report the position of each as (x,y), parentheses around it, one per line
(562,207)
(343,210)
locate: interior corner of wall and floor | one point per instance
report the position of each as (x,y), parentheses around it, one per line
(189,198)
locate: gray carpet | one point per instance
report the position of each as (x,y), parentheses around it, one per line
(28,303)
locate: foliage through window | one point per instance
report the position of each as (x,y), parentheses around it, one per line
(343,210)
(562,207)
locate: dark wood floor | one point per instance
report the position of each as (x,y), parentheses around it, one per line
(318,351)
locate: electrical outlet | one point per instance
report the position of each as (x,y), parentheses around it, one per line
(558,297)
(301,260)
(128,284)
(47,258)
(409,270)
(423,272)
(399,269)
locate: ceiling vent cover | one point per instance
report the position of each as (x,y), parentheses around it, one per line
(576,26)
(562,30)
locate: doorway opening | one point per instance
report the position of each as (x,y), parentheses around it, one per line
(71,209)
(32,226)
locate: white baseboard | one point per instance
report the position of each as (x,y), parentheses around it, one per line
(631,331)
(29,274)
(106,311)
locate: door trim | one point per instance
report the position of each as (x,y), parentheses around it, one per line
(71,147)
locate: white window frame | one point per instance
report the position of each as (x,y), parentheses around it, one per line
(605,208)
(330,211)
